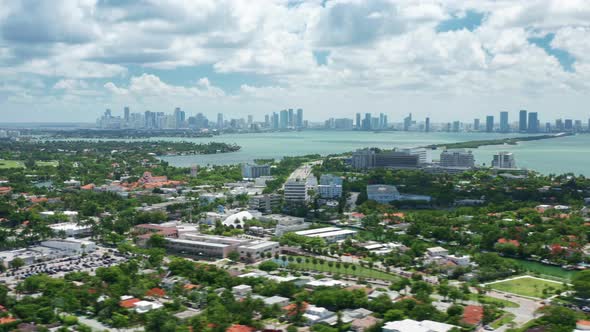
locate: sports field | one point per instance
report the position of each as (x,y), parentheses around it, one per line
(527,286)
(11,164)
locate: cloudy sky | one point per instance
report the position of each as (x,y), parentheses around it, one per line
(69,60)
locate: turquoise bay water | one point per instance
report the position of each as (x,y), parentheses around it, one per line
(559,155)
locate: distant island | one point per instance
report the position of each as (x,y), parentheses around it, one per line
(500,141)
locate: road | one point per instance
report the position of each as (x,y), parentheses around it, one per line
(524,313)
(303,171)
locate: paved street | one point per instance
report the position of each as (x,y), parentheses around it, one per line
(524,313)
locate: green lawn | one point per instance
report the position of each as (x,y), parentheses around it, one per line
(11,164)
(360,271)
(51,163)
(527,287)
(484,299)
(507,318)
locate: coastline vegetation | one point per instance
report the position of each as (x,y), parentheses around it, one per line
(500,141)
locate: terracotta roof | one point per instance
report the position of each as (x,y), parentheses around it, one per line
(191,286)
(472,314)
(240,328)
(130,303)
(291,309)
(7,320)
(89,186)
(364,323)
(505,241)
(156,292)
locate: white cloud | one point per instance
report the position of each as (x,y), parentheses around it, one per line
(85,50)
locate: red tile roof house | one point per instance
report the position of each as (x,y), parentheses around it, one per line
(505,241)
(240,328)
(129,303)
(472,315)
(7,320)
(156,292)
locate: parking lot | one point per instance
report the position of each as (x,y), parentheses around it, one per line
(102,257)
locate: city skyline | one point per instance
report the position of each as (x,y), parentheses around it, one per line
(69,60)
(293,119)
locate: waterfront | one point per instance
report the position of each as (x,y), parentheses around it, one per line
(544,269)
(558,155)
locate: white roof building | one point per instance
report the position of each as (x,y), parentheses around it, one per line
(71,229)
(410,325)
(326,282)
(145,306)
(238,219)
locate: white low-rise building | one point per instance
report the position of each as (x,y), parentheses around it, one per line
(326,282)
(72,245)
(460,260)
(315,314)
(410,325)
(437,251)
(145,306)
(329,234)
(71,229)
(69,215)
(241,290)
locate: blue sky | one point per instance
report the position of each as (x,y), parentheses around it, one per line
(68,60)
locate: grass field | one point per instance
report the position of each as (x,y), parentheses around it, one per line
(360,271)
(484,299)
(5,164)
(527,286)
(11,164)
(52,163)
(507,318)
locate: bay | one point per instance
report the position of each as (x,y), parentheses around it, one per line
(558,155)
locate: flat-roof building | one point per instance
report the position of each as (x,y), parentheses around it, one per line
(329,234)
(71,229)
(457,158)
(410,325)
(382,193)
(265,203)
(219,247)
(251,171)
(330,186)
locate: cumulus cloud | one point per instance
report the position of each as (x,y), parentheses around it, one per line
(260,55)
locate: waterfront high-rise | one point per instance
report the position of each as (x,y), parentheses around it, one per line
(427,125)
(275,120)
(284,119)
(179,118)
(489,123)
(504,160)
(367,121)
(568,125)
(299,122)
(476,124)
(358,121)
(408,122)
(219,120)
(291,120)
(522,123)
(127,114)
(533,123)
(504,127)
